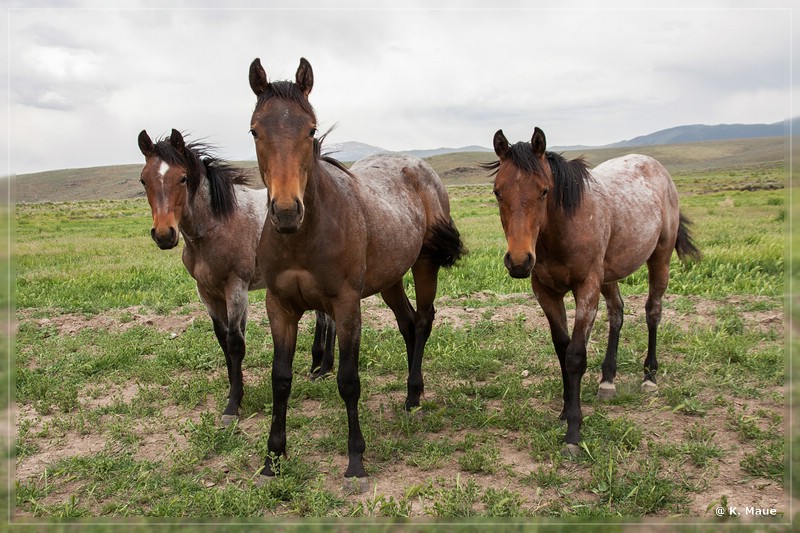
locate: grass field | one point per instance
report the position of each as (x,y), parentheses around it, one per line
(120,383)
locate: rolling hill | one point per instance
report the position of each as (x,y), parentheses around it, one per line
(455,168)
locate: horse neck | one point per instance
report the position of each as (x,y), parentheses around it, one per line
(197,218)
(561,228)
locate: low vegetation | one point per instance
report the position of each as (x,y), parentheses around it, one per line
(120,383)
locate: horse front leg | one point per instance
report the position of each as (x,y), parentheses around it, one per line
(347,314)
(218,312)
(552,304)
(283,325)
(587,295)
(236,303)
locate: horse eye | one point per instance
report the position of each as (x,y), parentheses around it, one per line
(253,133)
(545,191)
(143,183)
(183,179)
(496,193)
(312,132)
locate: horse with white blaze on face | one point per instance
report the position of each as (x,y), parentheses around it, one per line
(569,228)
(201,197)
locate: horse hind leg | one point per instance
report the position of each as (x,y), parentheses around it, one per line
(442,248)
(322,349)
(425,273)
(395,297)
(658,278)
(615,310)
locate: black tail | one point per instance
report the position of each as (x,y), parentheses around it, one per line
(444,246)
(684,245)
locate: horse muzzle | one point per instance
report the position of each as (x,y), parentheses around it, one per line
(519,267)
(166,238)
(288,218)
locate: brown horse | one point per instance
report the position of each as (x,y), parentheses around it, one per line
(194,194)
(574,229)
(335,236)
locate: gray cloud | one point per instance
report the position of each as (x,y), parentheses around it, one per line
(399,77)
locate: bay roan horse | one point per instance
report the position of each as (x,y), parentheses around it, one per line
(574,229)
(197,195)
(334,236)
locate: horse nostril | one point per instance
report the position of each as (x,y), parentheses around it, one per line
(153,233)
(525,265)
(299,207)
(507,260)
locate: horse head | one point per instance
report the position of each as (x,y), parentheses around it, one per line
(283,127)
(521,187)
(166,188)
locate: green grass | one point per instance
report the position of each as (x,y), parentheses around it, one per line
(487,442)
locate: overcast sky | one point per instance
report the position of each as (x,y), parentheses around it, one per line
(82,81)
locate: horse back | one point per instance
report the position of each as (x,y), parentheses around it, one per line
(640,202)
(401,198)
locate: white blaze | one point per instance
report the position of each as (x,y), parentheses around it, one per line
(162,170)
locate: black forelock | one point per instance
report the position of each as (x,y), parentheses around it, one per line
(286,90)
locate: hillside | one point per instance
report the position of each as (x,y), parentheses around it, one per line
(122,181)
(352,151)
(703,132)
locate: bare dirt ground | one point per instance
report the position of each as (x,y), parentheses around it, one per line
(159,437)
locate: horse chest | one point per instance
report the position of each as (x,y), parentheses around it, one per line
(561,265)
(208,278)
(556,276)
(299,287)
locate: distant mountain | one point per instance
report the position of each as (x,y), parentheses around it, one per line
(702,132)
(352,151)
(442,151)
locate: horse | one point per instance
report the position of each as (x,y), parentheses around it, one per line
(203,198)
(336,235)
(570,228)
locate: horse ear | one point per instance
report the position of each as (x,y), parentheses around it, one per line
(176,140)
(305,76)
(146,144)
(258,78)
(538,142)
(500,144)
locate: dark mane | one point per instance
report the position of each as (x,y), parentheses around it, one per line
(328,158)
(199,161)
(569,176)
